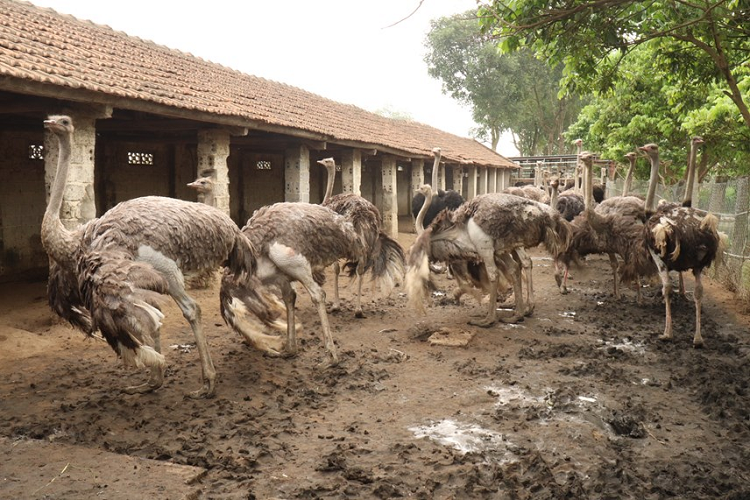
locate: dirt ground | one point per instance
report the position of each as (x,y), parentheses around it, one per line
(579,401)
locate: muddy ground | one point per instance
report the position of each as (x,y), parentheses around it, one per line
(581,400)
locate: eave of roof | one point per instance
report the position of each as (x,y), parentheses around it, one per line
(56,55)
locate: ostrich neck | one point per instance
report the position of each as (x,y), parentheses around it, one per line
(653,179)
(553,198)
(329,183)
(56,239)
(435,170)
(207,198)
(687,200)
(419,224)
(628,178)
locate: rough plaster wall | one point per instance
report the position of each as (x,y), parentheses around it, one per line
(262,187)
(125,182)
(185,170)
(22,203)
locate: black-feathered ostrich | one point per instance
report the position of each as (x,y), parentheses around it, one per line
(486,230)
(137,251)
(383,255)
(680,238)
(296,242)
(449,199)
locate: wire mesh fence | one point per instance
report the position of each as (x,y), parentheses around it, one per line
(729,200)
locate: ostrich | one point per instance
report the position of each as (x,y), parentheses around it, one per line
(204,185)
(678,239)
(137,251)
(382,254)
(449,199)
(607,228)
(486,230)
(295,243)
(627,184)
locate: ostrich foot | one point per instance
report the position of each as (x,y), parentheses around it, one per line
(155,381)
(205,392)
(484,323)
(666,337)
(141,388)
(510,317)
(698,344)
(359,314)
(334,309)
(564,291)
(329,363)
(529,310)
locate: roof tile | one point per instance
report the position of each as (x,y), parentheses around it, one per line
(41,45)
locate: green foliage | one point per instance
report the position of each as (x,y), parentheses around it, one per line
(658,71)
(516,92)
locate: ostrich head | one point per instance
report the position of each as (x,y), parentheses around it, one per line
(554,182)
(203,185)
(697,140)
(328,163)
(435,151)
(651,150)
(59,124)
(630,156)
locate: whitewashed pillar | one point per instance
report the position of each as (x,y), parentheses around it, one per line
(351,171)
(471,182)
(79,197)
(482,188)
(297,174)
(493,181)
(417,175)
(390,193)
(458,180)
(212,152)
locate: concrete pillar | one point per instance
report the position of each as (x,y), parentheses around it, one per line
(493,181)
(458,179)
(390,192)
(212,152)
(297,174)
(351,171)
(482,188)
(417,175)
(471,182)
(79,200)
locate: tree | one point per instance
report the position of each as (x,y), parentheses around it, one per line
(702,40)
(516,93)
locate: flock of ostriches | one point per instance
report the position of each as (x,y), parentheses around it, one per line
(111,274)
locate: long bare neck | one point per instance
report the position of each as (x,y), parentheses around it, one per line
(331,170)
(435,171)
(56,239)
(687,200)
(652,181)
(629,177)
(588,185)
(553,199)
(207,197)
(419,224)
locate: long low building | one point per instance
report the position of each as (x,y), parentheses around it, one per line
(149,118)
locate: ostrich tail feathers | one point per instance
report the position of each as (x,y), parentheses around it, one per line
(661,232)
(241,257)
(418,273)
(710,223)
(557,240)
(249,308)
(123,297)
(64,298)
(142,356)
(389,262)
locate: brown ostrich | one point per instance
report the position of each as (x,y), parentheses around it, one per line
(607,228)
(486,230)
(628,182)
(295,243)
(383,255)
(678,239)
(141,249)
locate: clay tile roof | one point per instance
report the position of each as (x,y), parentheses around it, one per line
(39,45)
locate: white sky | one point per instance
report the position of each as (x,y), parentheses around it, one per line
(340,49)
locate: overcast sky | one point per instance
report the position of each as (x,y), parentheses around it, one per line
(340,49)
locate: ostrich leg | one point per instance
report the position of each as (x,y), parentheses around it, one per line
(698,297)
(666,292)
(336,303)
(615,265)
(523,259)
(358,313)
